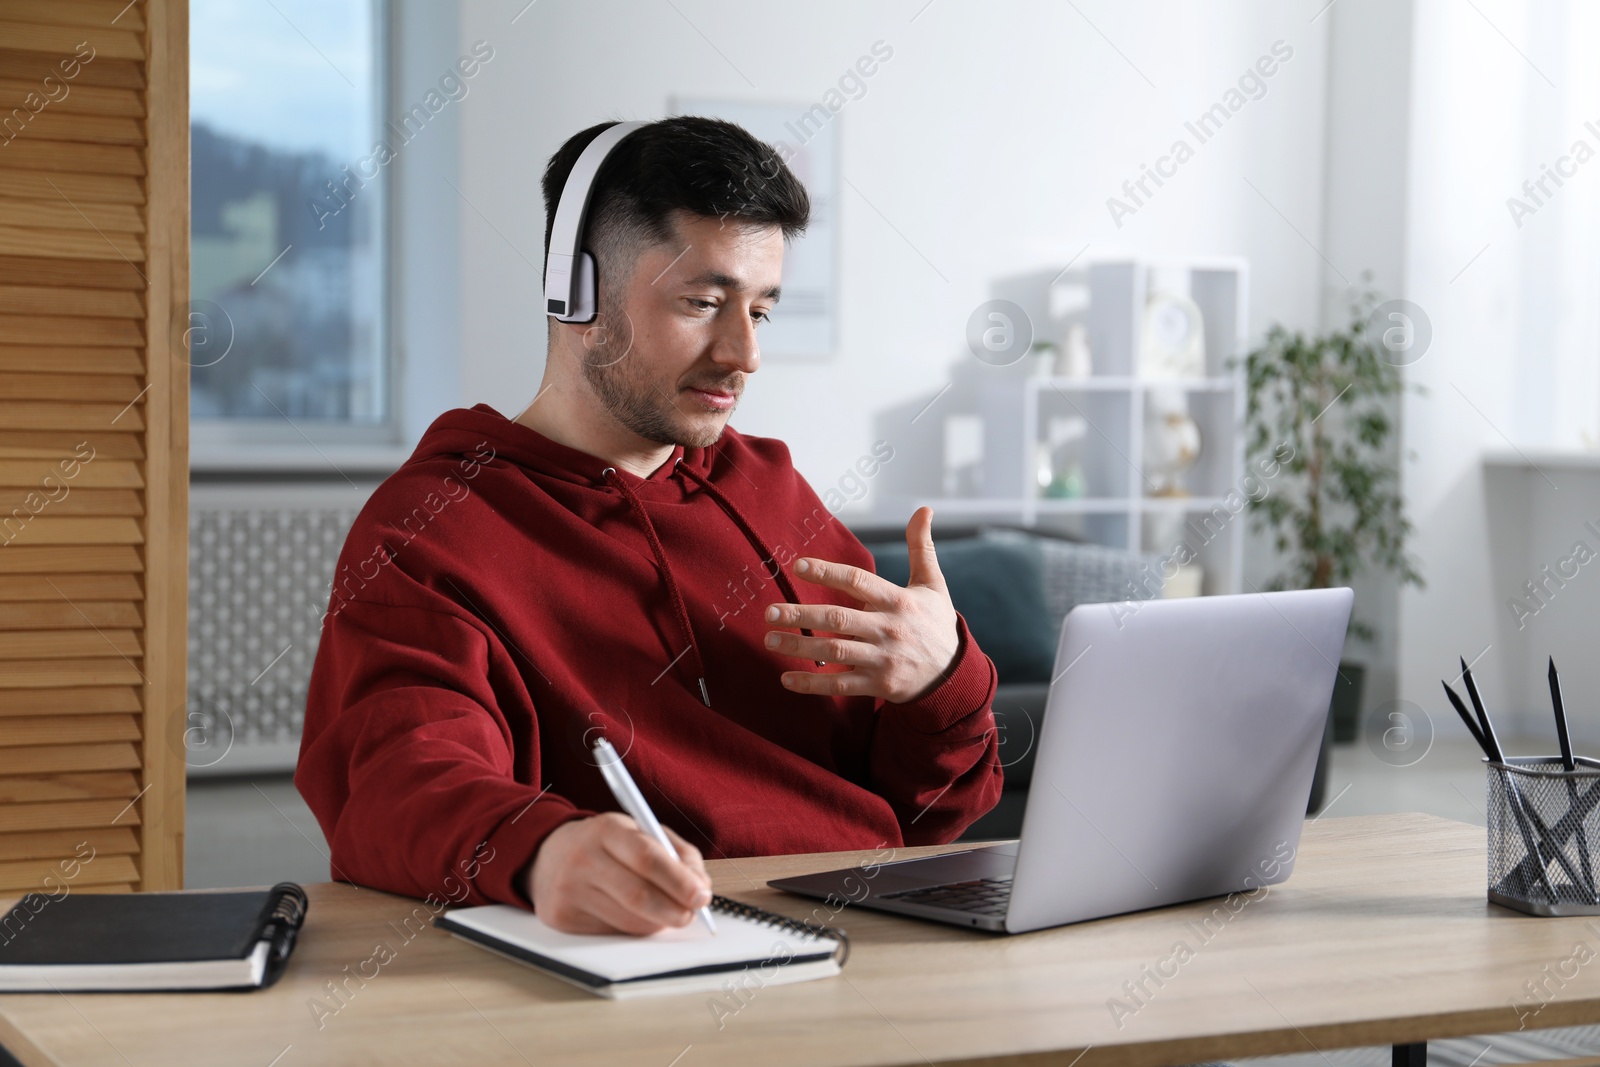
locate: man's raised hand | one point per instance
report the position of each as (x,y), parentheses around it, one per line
(899,644)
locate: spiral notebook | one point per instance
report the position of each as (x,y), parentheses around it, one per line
(777,950)
(148,942)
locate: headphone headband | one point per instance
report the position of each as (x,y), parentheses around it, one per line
(569,272)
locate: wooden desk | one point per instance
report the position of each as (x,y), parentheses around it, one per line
(1382,936)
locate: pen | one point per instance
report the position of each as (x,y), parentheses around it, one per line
(633,802)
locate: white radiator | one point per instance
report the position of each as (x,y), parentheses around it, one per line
(261,560)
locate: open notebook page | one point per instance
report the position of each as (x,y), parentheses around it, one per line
(616,958)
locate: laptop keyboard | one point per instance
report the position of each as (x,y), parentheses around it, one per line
(981,896)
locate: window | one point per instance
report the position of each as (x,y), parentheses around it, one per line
(288,318)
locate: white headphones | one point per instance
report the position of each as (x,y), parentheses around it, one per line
(569,273)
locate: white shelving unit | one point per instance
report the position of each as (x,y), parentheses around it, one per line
(1116,509)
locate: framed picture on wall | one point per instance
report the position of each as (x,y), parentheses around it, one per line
(804,324)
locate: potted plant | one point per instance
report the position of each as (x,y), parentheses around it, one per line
(1322,408)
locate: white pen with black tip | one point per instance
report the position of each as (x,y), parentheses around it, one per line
(633,802)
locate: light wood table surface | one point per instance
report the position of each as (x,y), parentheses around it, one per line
(1382,936)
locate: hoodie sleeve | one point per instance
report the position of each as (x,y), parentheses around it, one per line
(936,759)
(408,761)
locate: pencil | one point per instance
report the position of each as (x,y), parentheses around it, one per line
(1564,738)
(1519,810)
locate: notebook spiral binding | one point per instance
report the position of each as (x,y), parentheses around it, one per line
(807,928)
(283,920)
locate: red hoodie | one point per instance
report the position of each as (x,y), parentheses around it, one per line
(502,600)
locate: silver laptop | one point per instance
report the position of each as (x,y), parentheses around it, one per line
(1175,761)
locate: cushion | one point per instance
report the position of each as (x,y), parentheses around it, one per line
(1075,573)
(998,586)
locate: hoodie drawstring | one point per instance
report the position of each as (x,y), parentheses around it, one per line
(767,555)
(611,475)
(678,606)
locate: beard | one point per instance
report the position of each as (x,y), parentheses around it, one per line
(621,378)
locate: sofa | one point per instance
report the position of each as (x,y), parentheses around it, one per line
(1014,587)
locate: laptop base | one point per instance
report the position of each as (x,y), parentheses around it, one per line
(888,886)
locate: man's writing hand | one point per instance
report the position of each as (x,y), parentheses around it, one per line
(604,875)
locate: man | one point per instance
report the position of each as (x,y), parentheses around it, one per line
(617,562)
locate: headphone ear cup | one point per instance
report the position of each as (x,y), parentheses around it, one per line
(583,296)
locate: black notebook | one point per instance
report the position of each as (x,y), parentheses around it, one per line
(776,949)
(132,942)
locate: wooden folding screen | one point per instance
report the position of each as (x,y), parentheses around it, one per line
(94,280)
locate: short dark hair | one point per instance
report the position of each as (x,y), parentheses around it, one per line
(685,163)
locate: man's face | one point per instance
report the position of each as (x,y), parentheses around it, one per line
(680,336)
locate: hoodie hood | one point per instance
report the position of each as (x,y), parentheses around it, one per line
(464,431)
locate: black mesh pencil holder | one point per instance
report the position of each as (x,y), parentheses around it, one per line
(1544,835)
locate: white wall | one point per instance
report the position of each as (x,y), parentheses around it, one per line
(990,141)
(1513,363)
(1367,130)
(1464,111)
(426,234)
